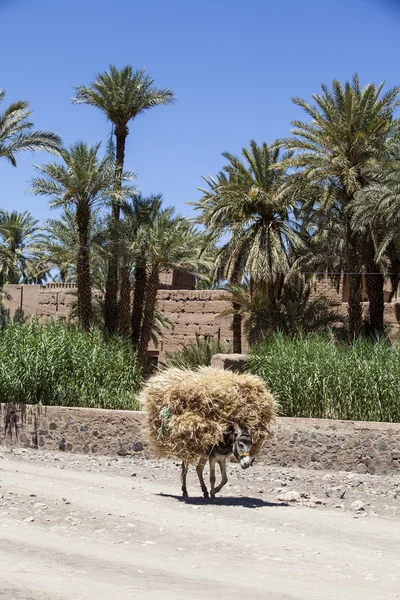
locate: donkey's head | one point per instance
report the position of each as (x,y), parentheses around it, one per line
(242,445)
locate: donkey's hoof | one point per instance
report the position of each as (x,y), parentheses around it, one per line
(185,495)
(206,495)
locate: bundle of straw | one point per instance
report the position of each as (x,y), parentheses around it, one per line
(188,412)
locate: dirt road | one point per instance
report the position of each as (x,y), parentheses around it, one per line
(94,528)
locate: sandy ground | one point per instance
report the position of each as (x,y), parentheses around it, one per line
(93,528)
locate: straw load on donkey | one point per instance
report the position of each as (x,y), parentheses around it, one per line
(207,414)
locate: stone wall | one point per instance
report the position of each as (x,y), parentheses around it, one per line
(363,447)
(312,443)
(80,430)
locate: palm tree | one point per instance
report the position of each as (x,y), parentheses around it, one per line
(346,135)
(246,202)
(16,133)
(83,181)
(139,215)
(296,313)
(59,243)
(19,257)
(376,209)
(61,239)
(122,95)
(171,242)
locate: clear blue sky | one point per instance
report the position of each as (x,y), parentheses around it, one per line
(234,65)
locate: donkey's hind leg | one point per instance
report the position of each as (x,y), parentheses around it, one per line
(224,478)
(199,470)
(212,476)
(185,468)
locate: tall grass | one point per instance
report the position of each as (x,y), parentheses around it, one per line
(316,377)
(58,365)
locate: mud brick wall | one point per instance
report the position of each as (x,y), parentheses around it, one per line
(193,312)
(190,312)
(326,287)
(177,279)
(312,443)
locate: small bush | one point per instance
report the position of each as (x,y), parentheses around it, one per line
(58,365)
(197,354)
(316,377)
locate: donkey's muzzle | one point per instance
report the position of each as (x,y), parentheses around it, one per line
(245,461)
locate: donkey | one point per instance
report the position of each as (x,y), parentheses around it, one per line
(237,441)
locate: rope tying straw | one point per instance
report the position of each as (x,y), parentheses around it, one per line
(166,413)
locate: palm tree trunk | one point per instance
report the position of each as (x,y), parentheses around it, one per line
(138,302)
(84,277)
(236,320)
(63,275)
(111,295)
(125,303)
(395,274)
(273,306)
(236,329)
(148,315)
(354,302)
(375,284)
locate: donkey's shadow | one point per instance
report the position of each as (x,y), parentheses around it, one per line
(246,502)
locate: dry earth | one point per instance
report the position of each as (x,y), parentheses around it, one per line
(95,528)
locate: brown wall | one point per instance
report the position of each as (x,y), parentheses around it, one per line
(53,299)
(339,296)
(177,279)
(312,443)
(191,312)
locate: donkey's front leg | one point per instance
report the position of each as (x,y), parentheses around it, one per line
(224,478)
(199,470)
(185,468)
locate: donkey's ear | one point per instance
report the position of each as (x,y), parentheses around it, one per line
(236,429)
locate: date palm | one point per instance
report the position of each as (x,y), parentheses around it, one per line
(83,181)
(344,137)
(171,242)
(296,313)
(246,202)
(17,134)
(61,240)
(19,257)
(376,209)
(138,214)
(122,95)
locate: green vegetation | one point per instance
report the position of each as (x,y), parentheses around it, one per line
(197,354)
(296,313)
(316,377)
(63,366)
